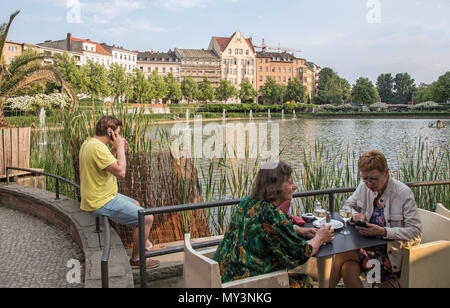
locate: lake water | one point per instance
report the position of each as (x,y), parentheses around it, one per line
(389,136)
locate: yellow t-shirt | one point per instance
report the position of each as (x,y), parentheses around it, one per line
(98,186)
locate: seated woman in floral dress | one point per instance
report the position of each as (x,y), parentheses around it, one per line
(261,239)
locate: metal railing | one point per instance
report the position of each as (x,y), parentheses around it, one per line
(107,247)
(143,255)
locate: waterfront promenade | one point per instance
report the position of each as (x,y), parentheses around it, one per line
(34,253)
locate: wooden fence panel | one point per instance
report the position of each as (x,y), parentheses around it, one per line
(14,148)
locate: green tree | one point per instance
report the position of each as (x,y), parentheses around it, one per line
(97,85)
(161,90)
(142,88)
(385,87)
(295,91)
(118,82)
(271,91)
(225,90)
(247,93)
(174,89)
(441,88)
(205,91)
(189,88)
(67,66)
(364,92)
(404,88)
(332,89)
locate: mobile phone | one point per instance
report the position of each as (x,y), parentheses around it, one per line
(110,134)
(361,224)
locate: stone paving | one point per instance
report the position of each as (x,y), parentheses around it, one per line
(34,253)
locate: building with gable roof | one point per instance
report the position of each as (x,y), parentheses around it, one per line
(90,50)
(238,57)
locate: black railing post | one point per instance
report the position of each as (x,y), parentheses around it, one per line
(106,251)
(331,202)
(57,189)
(97,224)
(7,175)
(142,259)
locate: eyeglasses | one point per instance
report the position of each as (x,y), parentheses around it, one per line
(371,180)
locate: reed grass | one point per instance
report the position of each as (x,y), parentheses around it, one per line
(322,166)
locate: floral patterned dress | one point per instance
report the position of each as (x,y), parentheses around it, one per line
(261,240)
(378,252)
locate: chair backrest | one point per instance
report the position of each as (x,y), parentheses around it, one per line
(199,271)
(442,210)
(435,227)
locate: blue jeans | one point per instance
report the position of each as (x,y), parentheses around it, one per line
(122,210)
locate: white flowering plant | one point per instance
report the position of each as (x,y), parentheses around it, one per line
(34,103)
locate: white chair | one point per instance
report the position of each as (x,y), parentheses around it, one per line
(442,210)
(426,265)
(200,271)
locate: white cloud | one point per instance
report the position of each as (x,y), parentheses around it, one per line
(105,12)
(187,4)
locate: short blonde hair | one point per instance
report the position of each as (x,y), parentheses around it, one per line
(373,160)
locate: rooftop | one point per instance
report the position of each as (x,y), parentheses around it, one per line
(197,54)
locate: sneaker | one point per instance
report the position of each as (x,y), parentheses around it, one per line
(150,263)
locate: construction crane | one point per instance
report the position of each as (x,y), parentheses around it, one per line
(264,47)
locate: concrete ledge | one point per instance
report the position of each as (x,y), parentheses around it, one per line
(66,214)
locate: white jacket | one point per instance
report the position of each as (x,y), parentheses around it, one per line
(403,224)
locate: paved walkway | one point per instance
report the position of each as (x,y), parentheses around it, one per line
(35,254)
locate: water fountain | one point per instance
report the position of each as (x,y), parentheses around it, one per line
(224,115)
(42,118)
(268,115)
(295,116)
(43,127)
(187,115)
(251,115)
(282,115)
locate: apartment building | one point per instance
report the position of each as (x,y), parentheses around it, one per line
(125,58)
(200,63)
(237,56)
(162,62)
(11,50)
(90,50)
(279,66)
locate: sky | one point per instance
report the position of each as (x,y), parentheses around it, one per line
(356,38)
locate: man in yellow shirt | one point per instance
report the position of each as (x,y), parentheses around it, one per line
(99,170)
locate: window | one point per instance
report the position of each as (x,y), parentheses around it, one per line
(230,51)
(12,48)
(247,52)
(164,70)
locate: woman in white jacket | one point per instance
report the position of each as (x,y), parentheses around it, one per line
(390,211)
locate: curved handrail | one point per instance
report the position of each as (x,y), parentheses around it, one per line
(107,248)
